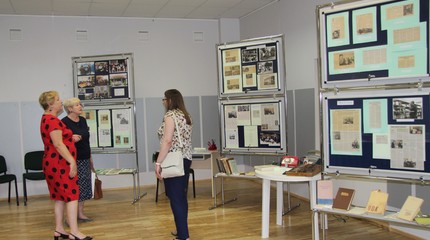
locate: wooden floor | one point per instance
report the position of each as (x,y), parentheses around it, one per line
(116,218)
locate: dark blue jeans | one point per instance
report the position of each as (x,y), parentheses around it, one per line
(176,190)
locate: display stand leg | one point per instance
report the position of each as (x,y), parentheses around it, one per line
(289,209)
(136,192)
(223,202)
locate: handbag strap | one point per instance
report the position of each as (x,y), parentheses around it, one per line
(177,129)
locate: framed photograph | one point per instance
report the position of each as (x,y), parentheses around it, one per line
(104,78)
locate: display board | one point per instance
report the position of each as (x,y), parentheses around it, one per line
(112,127)
(253,126)
(254,66)
(374,42)
(378,133)
(106,78)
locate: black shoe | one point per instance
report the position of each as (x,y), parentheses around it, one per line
(62,235)
(76,238)
(174,233)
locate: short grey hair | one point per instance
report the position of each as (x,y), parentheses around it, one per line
(70,103)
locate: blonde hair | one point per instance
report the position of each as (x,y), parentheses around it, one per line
(47,98)
(70,103)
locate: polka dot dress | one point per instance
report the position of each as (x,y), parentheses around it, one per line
(56,168)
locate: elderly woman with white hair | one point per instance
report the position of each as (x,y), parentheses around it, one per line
(81,137)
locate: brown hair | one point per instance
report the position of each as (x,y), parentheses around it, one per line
(47,98)
(176,101)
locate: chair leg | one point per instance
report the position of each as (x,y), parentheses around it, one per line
(16,193)
(156,191)
(8,199)
(25,191)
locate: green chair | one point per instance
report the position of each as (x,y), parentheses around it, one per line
(33,169)
(8,178)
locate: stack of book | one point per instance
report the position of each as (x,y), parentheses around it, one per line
(228,166)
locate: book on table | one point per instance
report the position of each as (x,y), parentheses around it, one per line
(325,192)
(410,208)
(423,219)
(343,199)
(226,166)
(377,202)
(223,165)
(233,166)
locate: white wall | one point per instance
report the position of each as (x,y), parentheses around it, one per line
(170,58)
(41,61)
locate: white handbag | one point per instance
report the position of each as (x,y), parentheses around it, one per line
(173,164)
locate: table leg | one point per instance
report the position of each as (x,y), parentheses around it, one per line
(279,202)
(265,212)
(313,200)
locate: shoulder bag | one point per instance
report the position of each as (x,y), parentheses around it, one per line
(173,164)
(98,192)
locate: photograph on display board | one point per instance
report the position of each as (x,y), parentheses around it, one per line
(102,68)
(86,81)
(102,80)
(407,108)
(267,53)
(267,81)
(364,23)
(249,55)
(85,68)
(344,60)
(117,66)
(270,139)
(249,75)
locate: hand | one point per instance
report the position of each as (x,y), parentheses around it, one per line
(73,169)
(76,137)
(158,172)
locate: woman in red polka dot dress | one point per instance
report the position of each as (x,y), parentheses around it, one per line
(59,166)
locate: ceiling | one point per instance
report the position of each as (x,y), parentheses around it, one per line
(188,9)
